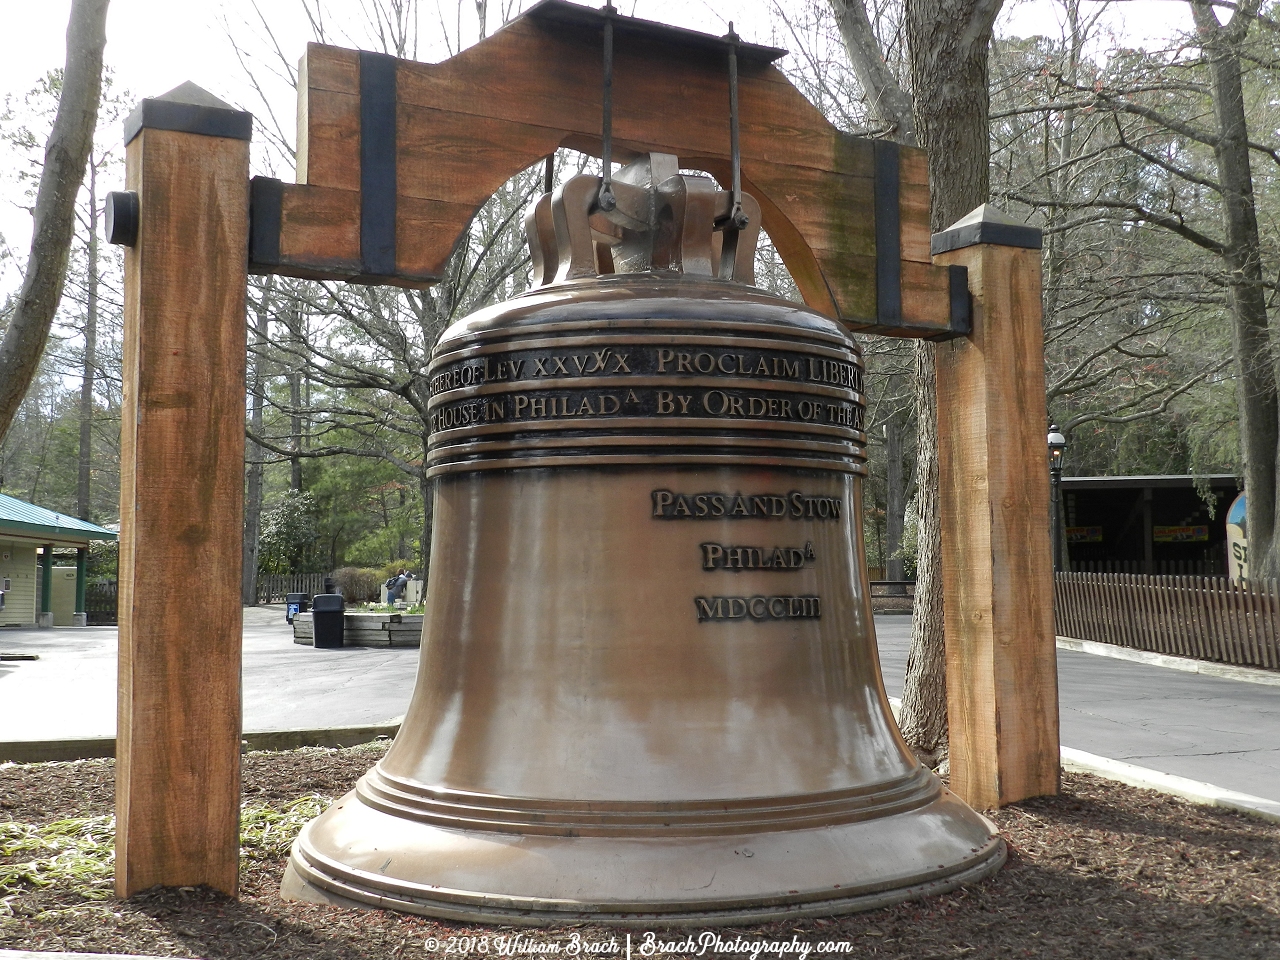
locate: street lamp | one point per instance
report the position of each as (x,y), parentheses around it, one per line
(1057,446)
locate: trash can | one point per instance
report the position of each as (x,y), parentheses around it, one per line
(294,604)
(327,611)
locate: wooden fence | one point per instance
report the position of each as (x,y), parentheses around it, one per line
(1206,618)
(272,588)
(100,603)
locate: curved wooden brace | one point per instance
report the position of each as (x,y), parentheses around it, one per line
(850,217)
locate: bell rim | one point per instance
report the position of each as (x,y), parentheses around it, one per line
(330,880)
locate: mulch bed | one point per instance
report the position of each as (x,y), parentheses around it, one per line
(1101,871)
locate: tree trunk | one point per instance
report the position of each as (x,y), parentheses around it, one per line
(948,42)
(255,453)
(66,155)
(923,717)
(895,500)
(83,504)
(1256,374)
(948,45)
(295,404)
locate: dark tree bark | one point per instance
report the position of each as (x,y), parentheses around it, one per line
(255,453)
(295,402)
(65,158)
(83,491)
(895,499)
(1256,373)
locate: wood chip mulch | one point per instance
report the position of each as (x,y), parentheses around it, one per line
(1101,871)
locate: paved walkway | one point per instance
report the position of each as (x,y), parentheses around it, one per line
(71,690)
(1223,732)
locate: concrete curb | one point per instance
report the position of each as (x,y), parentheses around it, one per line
(1224,671)
(1194,790)
(1077,761)
(95,748)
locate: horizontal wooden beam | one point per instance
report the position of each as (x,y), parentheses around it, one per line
(396,157)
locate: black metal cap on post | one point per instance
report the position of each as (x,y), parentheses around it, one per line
(120,218)
(986,224)
(188,108)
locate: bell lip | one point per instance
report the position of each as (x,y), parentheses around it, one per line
(318,877)
(684,298)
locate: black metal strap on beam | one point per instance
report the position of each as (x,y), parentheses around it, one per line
(377,164)
(266,196)
(888,233)
(961,303)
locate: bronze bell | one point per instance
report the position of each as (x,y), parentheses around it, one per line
(649,691)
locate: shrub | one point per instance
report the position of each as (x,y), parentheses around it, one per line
(358,584)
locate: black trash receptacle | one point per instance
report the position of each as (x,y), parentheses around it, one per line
(294,604)
(327,611)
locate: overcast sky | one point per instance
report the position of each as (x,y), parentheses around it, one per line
(154,45)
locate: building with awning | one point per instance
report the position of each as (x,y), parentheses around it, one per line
(1171,525)
(31,586)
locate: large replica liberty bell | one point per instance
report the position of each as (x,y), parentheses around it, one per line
(649,691)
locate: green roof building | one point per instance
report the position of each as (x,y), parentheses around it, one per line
(28,579)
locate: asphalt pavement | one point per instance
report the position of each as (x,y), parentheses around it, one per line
(1220,731)
(1224,732)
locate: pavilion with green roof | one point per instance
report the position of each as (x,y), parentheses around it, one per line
(28,537)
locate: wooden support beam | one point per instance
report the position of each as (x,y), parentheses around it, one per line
(997,568)
(395,157)
(181,496)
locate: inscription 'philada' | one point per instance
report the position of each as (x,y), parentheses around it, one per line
(758,608)
(668,505)
(718,556)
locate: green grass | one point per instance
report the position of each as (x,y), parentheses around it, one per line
(78,855)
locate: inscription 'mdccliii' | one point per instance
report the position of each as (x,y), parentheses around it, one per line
(668,505)
(758,608)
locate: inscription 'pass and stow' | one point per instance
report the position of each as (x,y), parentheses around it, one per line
(670,505)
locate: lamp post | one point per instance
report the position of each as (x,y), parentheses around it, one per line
(1057,446)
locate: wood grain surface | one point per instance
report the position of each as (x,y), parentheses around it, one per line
(181,502)
(997,566)
(467,125)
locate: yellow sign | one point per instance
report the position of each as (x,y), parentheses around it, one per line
(1199,532)
(1084,534)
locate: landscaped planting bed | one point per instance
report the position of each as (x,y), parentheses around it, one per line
(1101,871)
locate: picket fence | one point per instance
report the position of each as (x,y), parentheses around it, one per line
(1206,618)
(272,588)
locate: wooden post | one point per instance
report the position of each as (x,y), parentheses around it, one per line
(997,566)
(80,618)
(181,492)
